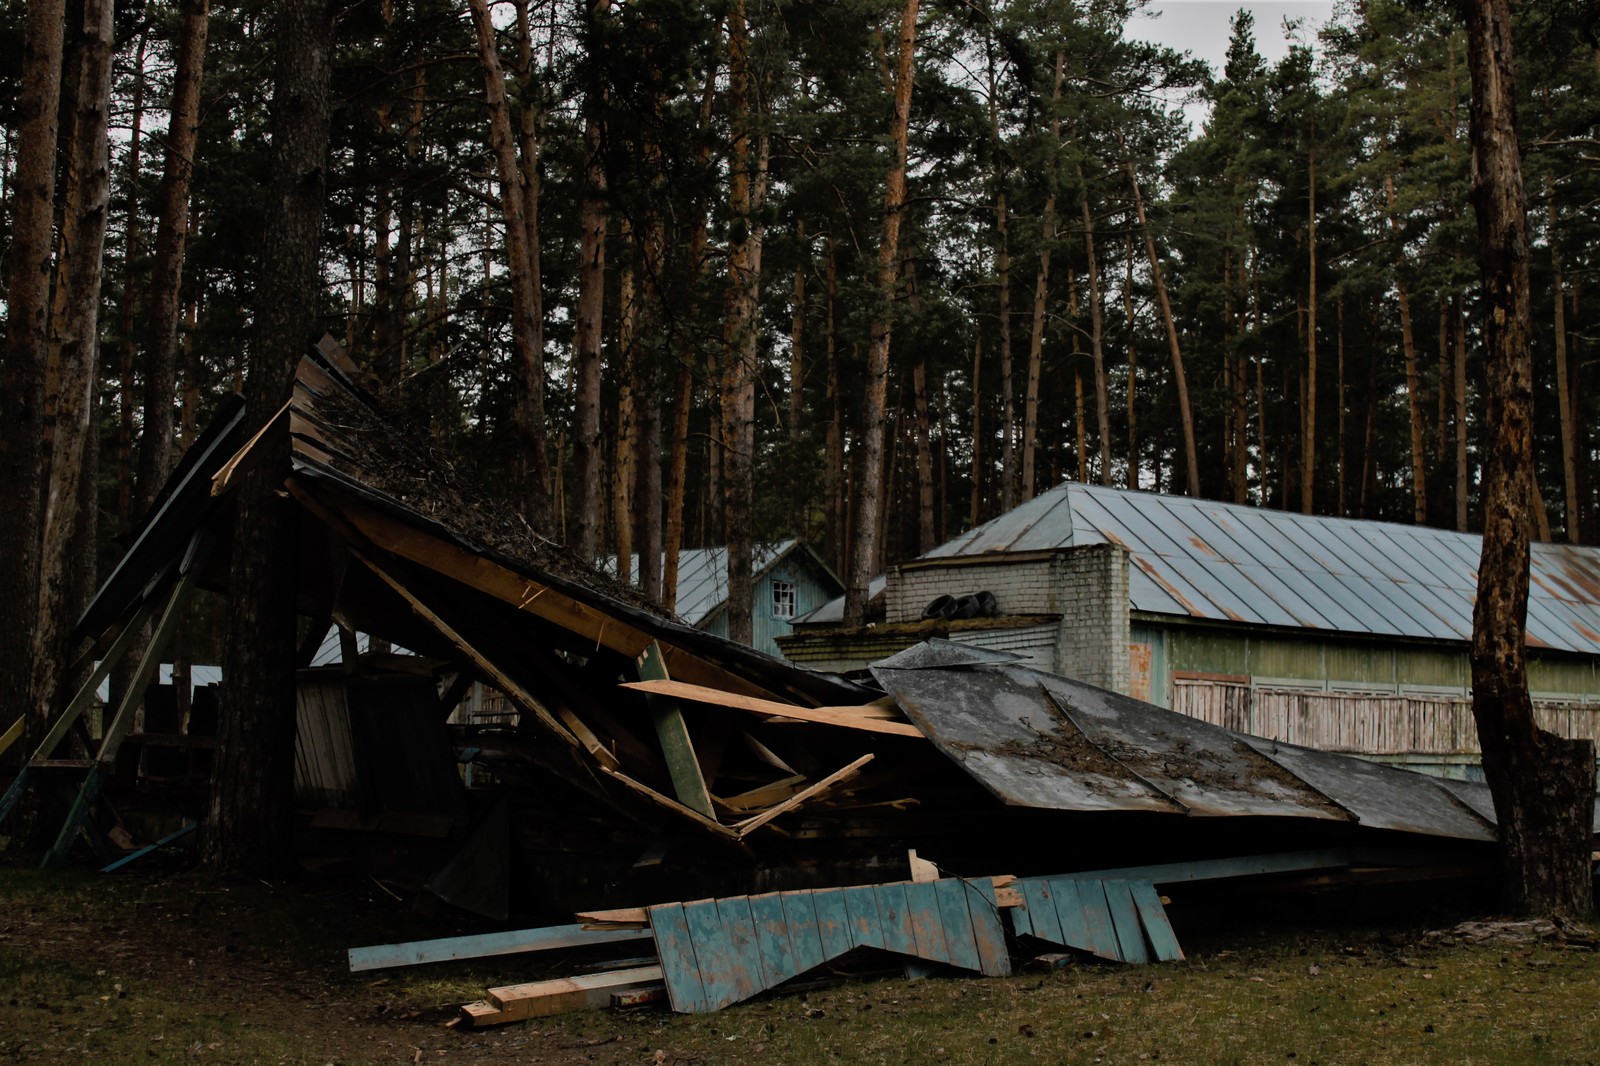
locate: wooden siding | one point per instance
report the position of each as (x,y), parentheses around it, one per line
(1364,723)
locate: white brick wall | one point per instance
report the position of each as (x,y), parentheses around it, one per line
(1019,586)
(1092,589)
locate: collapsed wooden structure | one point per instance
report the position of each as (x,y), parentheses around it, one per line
(654,761)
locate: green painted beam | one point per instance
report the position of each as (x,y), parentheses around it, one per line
(667,716)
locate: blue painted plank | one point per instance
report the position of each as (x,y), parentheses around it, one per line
(957,919)
(772,938)
(988,930)
(922,902)
(895,926)
(712,952)
(803,936)
(679,967)
(483,945)
(1153,916)
(749,978)
(1071,920)
(18,787)
(1097,916)
(833,922)
(1042,921)
(861,906)
(1125,918)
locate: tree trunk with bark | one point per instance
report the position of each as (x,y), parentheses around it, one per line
(250,824)
(1543,785)
(1419,463)
(73,362)
(1185,414)
(866,561)
(531,465)
(1097,354)
(27,346)
(166,273)
(1308,435)
(747,171)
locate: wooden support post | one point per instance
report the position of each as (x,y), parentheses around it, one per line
(122,720)
(682,764)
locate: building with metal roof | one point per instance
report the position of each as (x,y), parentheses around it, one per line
(1332,632)
(791,580)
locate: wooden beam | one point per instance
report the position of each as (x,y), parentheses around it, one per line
(540,999)
(484,945)
(498,676)
(774,709)
(677,747)
(619,916)
(766,795)
(715,828)
(10,736)
(538,599)
(750,825)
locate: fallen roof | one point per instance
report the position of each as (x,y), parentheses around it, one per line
(1232,562)
(1044,741)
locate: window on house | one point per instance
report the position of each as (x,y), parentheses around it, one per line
(783,599)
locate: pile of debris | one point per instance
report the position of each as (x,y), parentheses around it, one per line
(651,761)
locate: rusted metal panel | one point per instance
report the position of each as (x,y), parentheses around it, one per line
(1378,796)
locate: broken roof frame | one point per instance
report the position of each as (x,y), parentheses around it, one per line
(500,615)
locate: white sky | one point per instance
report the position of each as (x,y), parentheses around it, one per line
(1201,27)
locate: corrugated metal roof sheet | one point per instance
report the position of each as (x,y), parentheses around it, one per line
(1230,562)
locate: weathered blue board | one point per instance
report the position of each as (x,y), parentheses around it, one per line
(718,952)
(1119,919)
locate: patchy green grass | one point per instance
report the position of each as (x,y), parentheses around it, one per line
(177,968)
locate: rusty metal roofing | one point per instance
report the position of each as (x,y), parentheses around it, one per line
(1048,742)
(1232,562)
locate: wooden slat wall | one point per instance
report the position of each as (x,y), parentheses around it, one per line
(324,757)
(1364,723)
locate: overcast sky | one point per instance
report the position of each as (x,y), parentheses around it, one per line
(1201,27)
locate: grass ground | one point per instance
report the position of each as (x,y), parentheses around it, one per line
(176,968)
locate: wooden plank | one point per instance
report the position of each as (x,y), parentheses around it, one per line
(1097,916)
(1125,920)
(1040,917)
(713,953)
(862,917)
(676,746)
(622,915)
(140,853)
(772,938)
(501,680)
(988,931)
(1226,869)
(765,754)
(957,919)
(540,999)
(1071,919)
(833,922)
(485,945)
(765,795)
(921,869)
(750,825)
(738,922)
(716,829)
(772,708)
(894,926)
(9,737)
(922,903)
(1153,916)
(679,968)
(804,939)
(643,996)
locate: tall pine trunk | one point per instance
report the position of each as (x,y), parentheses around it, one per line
(1543,785)
(865,561)
(747,167)
(1185,414)
(27,346)
(1308,433)
(1097,352)
(250,828)
(166,274)
(1419,463)
(73,362)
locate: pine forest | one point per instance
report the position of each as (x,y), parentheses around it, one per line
(662,274)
